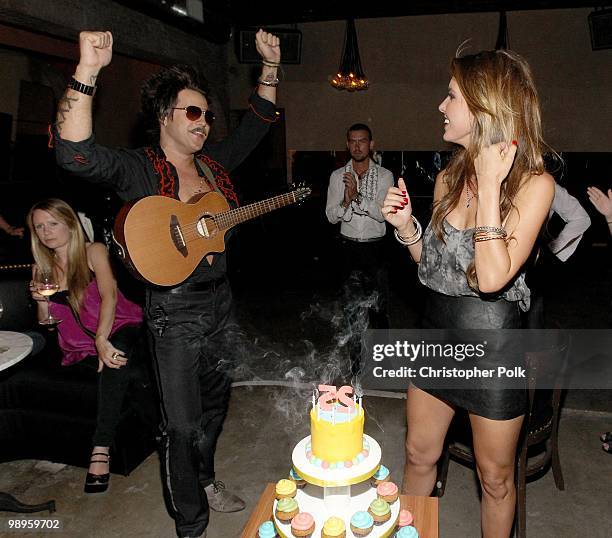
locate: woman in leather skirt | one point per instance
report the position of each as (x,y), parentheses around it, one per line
(489,204)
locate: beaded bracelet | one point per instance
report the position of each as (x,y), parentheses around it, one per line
(495,229)
(270,83)
(414,238)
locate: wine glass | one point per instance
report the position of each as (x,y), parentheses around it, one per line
(46,284)
(2,348)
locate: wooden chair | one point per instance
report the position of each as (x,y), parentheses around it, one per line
(545,374)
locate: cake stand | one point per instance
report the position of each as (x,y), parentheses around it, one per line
(337,492)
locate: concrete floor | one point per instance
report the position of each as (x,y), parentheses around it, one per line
(256,446)
(290,315)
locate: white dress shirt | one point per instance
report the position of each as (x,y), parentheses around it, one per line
(361,221)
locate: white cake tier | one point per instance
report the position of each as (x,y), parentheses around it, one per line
(310,499)
(336,477)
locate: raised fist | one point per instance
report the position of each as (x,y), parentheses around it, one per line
(96,49)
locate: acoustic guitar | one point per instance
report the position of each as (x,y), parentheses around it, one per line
(162,240)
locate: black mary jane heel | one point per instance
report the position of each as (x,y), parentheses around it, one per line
(97,483)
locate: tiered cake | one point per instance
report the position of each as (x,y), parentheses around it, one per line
(335,494)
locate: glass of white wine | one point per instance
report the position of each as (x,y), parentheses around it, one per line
(46,285)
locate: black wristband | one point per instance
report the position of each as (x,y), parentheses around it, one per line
(81,88)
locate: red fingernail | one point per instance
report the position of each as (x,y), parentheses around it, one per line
(515,143)
(406,200)
(403,192)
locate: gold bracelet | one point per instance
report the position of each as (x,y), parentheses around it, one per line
(495,229)
(487,238)
(270,83)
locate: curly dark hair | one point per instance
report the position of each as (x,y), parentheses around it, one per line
(160,91)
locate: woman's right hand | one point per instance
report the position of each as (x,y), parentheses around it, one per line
(397,209)
(34,293)
(109,355)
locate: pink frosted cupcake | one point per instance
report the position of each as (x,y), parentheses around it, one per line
(302,525)
(405,519)
(387,491)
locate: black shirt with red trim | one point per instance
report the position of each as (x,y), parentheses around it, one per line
(134,173)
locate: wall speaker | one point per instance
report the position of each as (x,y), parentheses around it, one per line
(290,42)
(600,24)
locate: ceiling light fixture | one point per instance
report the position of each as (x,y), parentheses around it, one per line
(350,75)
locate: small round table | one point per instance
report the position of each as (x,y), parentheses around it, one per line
(15,347)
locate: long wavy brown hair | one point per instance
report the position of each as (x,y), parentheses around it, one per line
(78,275)
(500,93)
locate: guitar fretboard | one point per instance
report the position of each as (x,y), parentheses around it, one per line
(236,216)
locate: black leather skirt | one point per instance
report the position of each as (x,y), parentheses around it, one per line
(489,398)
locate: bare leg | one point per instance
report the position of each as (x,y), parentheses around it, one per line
(101,466)
(495,452)
(428,420)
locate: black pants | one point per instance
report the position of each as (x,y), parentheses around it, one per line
(192,335)
(112,383)
(364,292)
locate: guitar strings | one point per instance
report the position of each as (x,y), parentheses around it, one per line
(223,221)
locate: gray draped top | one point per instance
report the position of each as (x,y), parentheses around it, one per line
(443,267)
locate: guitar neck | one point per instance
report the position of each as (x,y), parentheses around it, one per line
(236,216)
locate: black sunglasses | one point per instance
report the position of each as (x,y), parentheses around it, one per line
(194,113)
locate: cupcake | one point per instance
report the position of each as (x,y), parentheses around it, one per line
(405,518)
(380,511)
(334,527)
(285,488)
(286,509)
(299,481)
(267,530)
(382,475)
(407,532)
(302,525)
(387,491)
(362,523)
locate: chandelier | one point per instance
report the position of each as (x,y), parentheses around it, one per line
(350,75)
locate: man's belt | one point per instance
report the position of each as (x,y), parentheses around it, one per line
(209,285)
(364,240)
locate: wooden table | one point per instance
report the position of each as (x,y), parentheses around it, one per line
(424,509)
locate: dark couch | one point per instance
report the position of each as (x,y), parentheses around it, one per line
(48,411)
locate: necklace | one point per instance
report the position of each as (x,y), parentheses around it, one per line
(469,195)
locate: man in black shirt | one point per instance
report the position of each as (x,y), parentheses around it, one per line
(190,324)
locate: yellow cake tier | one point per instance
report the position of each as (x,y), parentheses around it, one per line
(336,442)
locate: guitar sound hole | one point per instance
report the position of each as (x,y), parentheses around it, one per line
(207,227)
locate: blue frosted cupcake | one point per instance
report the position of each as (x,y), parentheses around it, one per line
(299,481)
(407,532)
(267,530)
(380,476)
(362,523)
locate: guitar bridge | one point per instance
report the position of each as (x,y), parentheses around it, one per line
(177,236)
